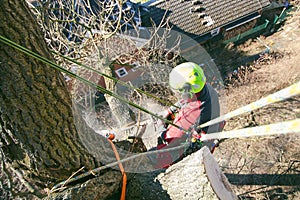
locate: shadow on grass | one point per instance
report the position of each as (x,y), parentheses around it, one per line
(264,179)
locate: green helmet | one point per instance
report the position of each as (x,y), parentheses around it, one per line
(187,73)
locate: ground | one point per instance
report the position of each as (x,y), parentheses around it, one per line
(264,167)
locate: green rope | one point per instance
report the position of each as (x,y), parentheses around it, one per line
(116,80)
(101,89)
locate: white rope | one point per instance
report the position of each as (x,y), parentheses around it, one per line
(292,126)
(276,97)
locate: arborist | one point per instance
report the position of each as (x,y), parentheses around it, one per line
(199,103)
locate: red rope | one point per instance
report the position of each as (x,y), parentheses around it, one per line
(124,182)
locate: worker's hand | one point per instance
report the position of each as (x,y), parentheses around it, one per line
(164,114)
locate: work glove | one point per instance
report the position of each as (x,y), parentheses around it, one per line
(168,115)
(164,114)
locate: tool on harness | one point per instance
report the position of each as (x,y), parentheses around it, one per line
(196,143)
(193,138)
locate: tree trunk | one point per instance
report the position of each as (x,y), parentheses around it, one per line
(120,110)
(40,144)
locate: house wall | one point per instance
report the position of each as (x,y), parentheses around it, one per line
(238,30)
(132,73)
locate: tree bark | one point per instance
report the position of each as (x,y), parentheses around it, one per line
(39,142)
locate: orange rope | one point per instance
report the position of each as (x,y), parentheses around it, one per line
(123,193)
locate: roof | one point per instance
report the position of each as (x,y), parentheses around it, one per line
(198,17)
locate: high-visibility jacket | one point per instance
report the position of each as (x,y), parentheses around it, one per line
(202,108)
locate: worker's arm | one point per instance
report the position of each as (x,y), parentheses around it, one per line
(171,110)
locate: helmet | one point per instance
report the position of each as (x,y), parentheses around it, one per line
(187,73)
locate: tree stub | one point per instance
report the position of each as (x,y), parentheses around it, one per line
(198,176)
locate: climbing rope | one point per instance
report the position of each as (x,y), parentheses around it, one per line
(98,87)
